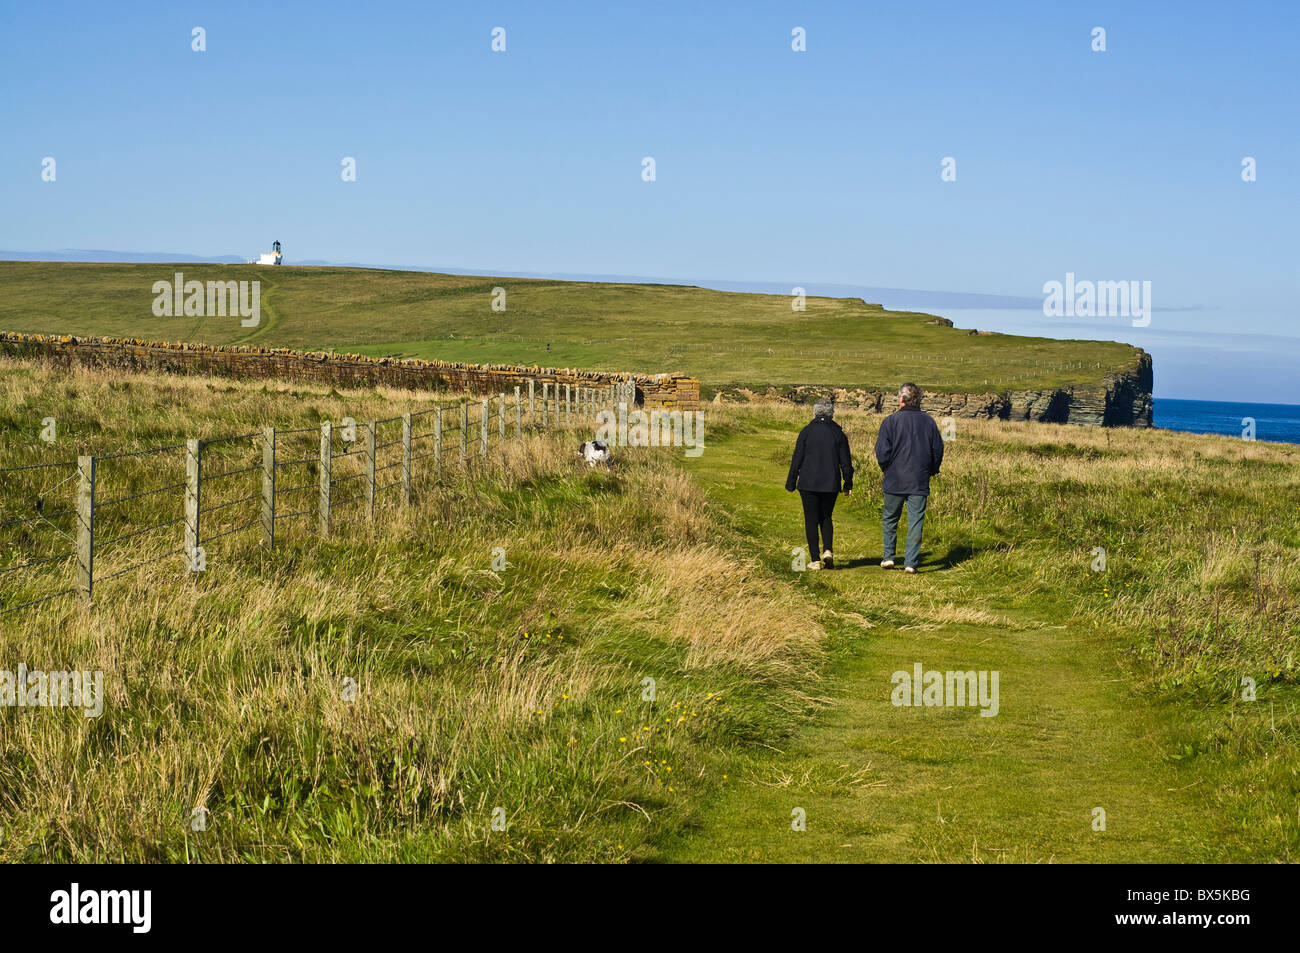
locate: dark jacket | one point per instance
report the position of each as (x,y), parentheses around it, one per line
(909,450)
(821,455)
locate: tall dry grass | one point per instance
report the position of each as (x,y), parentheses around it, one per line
(379,693)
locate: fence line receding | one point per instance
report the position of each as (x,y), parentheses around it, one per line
(264,484)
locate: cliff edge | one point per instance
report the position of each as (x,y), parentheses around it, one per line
(1121,399)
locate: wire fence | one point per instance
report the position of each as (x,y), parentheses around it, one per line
(68,527)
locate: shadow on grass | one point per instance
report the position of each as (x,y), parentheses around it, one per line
(955,556)
(857,563)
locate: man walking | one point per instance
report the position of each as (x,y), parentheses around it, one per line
(909,450)
(821,457)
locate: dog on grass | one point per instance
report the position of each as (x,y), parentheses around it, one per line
(595,452)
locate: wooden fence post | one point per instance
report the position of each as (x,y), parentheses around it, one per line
(532,383)
(372,433)
(326,446)
(193,499)
(406,459)
(519,413)
(546,406)
(268,487)
(86,526)
(501,424)
(437,442)
(568,403)
(483,414)
(464,432)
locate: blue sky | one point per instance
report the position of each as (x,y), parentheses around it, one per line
(773,167)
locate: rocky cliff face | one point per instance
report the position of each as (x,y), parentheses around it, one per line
(1122,399)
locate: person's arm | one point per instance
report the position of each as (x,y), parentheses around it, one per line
(936,449)
(796,462)
(884,445)
(846,463)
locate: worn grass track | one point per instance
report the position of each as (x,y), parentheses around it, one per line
(897,784)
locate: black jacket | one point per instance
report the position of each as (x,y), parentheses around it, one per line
(909,450)
(821,455)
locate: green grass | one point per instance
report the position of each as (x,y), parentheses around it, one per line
(523,689)
(1119,690)
(725,339)
(477,689)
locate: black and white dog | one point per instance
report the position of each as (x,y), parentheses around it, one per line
(595,452)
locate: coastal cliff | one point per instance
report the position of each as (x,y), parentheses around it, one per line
(1121,399)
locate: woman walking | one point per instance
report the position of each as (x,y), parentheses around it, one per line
(821,458)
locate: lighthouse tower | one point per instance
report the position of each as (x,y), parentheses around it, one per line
(272,257)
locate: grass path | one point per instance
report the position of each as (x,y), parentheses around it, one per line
(899,784)
(269,319)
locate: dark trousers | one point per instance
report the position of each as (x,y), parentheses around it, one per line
(817,509)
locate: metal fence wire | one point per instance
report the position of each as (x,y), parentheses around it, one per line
(255,483)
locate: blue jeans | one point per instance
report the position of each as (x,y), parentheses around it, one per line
(915,522)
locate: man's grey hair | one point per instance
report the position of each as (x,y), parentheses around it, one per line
(911,394)
(824,407)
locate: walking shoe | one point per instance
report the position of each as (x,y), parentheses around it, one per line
(816,565)
(910,569)
(886,564)
(828,560)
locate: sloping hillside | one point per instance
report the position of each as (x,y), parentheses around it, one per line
(725,339)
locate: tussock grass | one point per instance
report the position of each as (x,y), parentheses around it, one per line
(522,689)
(475,689)
(1201,588)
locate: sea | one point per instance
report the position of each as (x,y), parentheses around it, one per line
(1277,423)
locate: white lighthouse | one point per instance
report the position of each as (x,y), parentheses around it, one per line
(272,257)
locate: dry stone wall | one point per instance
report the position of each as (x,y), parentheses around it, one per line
(655,391)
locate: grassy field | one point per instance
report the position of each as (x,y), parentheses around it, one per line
(724,339)
(1120,689)
(524,689)
(476,689)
